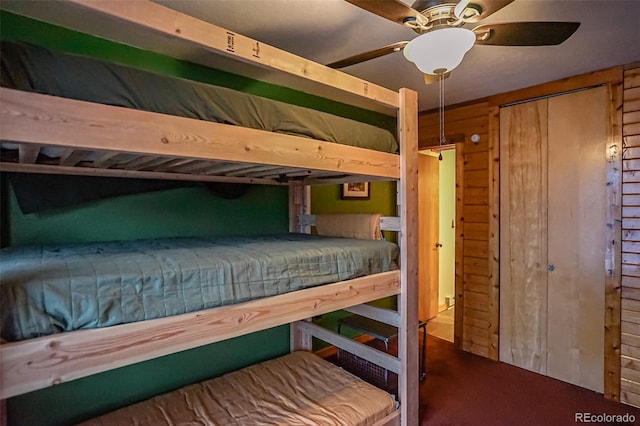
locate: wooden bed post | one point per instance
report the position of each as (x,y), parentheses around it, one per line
(408,388)
(299,205)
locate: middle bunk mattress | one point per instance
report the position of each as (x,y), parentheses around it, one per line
(58,288)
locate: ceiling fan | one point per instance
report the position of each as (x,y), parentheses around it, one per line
(443,40)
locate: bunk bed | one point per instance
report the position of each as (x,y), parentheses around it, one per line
(48,133)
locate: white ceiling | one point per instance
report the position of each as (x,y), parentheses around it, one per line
(329,30)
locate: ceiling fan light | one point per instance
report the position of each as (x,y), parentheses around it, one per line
(441,50)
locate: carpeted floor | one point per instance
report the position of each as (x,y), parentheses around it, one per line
(465,389)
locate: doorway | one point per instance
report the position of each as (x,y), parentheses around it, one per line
(437,218)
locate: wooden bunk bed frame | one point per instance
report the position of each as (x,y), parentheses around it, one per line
(169,147)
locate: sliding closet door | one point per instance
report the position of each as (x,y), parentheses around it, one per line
(552,242)
(577,224)
(523,235)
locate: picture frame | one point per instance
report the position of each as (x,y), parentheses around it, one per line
(355,191)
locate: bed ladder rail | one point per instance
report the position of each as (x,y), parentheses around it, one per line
(387,316)
(378,357)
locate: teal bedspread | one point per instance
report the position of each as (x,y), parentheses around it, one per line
(35,69)
(52,289)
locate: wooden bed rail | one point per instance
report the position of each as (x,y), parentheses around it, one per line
(34,120)
(157,28)
(378,357)
(42,362)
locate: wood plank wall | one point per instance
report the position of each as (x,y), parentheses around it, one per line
(477,312)
(630,349)
(473,318)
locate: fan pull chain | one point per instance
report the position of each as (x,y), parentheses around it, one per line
(443,139)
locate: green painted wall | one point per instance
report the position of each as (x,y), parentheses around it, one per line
(171,213)
(186,211)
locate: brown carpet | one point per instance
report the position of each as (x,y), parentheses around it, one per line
(466,389)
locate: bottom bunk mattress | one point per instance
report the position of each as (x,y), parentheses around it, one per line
(297,389)
(52,289)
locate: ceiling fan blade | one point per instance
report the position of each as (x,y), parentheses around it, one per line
(525,33)
(393,10)
(484,8)
(362,57)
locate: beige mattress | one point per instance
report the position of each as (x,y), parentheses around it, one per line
(296,389)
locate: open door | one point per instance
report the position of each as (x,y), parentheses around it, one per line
(428,216)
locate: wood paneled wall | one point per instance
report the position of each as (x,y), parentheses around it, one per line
(474,321)
(477,251)
(630,318)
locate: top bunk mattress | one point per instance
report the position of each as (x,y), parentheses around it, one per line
(58,288)
(35,69)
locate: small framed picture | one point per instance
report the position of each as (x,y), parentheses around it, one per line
(355,191)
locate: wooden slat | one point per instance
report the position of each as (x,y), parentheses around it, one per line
(631,141)
(477,266)
(476,314)
(476,161)
(631,282)
(630,345)
(476,349)
(630,305)
(384,315)
(631,258)
(630,398)
(631,153)
(631,164)
(631,212)
(630,95)
(477,301)
(373,355)
(71,157)
(42,362)
(479,248)
(632,78)
(631,129)
(632,117)
(630,270)
(36,119)
(28,154)
(631,200)
(630,386)
(630,327)
(88,171)
(477,284)
(631,316)
(106,159)
(629,292)
(476,231)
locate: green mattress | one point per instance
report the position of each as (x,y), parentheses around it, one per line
(35,69)
(52,289)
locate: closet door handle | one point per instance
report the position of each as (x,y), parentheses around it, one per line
(438,245)
(551,268)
